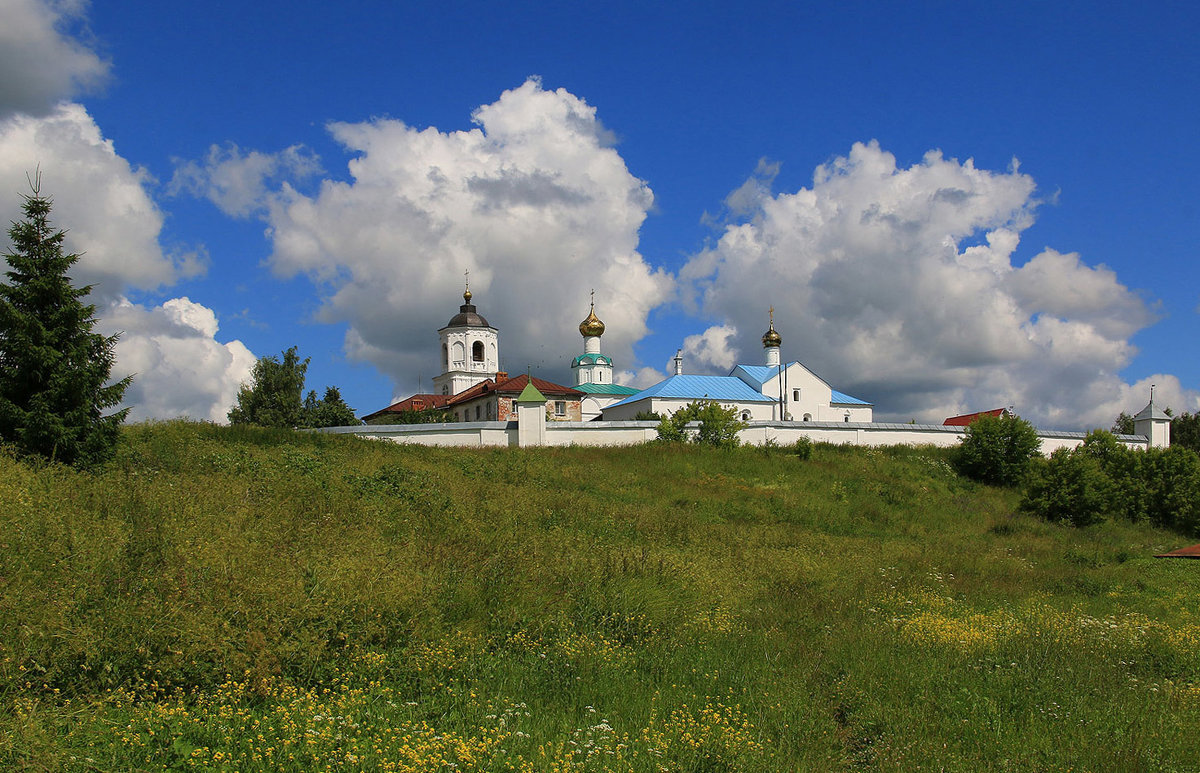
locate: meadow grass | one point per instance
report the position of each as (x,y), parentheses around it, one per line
(238,599)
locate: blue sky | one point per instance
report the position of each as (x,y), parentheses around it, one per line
(1005,212)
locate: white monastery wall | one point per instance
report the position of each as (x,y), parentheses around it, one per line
(475,434)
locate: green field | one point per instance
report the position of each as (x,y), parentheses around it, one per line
(235,599)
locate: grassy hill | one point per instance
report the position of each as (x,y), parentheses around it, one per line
(232,599)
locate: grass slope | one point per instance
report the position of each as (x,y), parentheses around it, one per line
(237,599)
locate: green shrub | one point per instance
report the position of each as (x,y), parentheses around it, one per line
(803,448)
(719,426)
(1103,478)
(1172,488)
(1070,487)
(997,450)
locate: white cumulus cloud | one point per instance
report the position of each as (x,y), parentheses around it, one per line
(898,285)
(239,183)
(534,202)
(100,199)
(42,59)
(179,367)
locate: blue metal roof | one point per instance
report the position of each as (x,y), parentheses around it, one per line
(841,398)
(760,373)
(687,387)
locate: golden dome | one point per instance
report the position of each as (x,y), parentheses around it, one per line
(771,338)
(592,326)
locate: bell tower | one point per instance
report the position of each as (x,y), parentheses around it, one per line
(470,349)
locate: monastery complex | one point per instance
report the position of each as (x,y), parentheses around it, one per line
(780,402)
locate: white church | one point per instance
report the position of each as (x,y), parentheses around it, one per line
(471,379)
(772,391)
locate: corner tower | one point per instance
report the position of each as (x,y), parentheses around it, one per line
(592,367)
(470,350)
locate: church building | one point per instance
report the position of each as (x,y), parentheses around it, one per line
(770,392)
(470,350)
(594,371)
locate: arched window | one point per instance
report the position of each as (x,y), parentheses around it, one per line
(477,351)
(745,415)
(808,417)
(445,358)
(459,353)
(847,416)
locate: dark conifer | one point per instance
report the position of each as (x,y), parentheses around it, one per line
(54,370)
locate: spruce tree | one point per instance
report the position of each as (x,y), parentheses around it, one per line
(54,370)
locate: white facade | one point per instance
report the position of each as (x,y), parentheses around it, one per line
(664,406)
(1154,424)
(470,351)
(806,396)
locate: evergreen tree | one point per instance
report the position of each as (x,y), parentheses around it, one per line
(54,370)
(273,396)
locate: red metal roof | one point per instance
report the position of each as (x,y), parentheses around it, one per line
(414,403)
(1192,552)
(967,418)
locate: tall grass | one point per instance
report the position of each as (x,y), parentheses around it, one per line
(241,599)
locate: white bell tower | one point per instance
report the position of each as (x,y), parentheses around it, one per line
(470,350)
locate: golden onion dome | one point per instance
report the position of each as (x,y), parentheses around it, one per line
(592,326)
(771,337)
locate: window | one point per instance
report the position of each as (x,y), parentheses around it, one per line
(808,417)
(745,415)
(478,412)
(847,416)
(445,358)
(477,351)
(795,395)
(560,407)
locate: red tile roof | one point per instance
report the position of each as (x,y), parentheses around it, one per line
(967,418)
(513,386)
(414,403)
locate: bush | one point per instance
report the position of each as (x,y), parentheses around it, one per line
(718,426)
(1103,478)
(803,448)
(1172,488)
(997,450)
(1071,487)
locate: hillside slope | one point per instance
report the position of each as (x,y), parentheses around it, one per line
(225,598)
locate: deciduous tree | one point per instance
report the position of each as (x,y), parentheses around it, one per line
(273,396)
